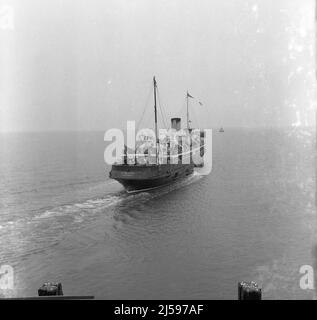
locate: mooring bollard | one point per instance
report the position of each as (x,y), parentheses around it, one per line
(249,291)
(51,289)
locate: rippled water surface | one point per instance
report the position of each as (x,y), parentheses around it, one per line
(252,218)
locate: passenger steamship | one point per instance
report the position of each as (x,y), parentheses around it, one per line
(145,175)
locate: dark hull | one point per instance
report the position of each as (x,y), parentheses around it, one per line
(139,177)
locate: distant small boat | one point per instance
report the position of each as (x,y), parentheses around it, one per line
(221,130)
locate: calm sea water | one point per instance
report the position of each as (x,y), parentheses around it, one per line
(252,218)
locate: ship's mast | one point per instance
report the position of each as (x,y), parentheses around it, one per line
(155,112)
(187,111)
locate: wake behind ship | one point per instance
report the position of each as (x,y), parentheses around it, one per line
(146,175)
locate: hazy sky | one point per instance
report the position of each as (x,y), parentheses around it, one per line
(88,65)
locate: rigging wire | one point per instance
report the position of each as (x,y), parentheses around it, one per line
(193,116)
(182,109)
(144,109)
(164,118)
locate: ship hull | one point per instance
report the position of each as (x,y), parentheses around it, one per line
(140,177)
